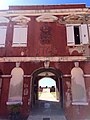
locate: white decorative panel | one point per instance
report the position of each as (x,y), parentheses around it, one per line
(78,86)
(16,85)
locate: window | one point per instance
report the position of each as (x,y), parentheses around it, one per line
(77,34)
(3,30)
(89,29)
(20,36)
(70,35)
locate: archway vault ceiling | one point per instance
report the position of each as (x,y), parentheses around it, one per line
(46,74)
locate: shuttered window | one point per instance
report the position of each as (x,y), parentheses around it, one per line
(70,35)
(3,30)
(20,36)
(84,34)
(89,30)
(77,34)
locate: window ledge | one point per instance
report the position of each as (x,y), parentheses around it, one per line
(19,45)
(2,45)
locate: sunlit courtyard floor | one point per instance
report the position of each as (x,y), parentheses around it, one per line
(48,96)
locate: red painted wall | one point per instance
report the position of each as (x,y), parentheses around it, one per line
(67,6)
(57,46)
(35,47)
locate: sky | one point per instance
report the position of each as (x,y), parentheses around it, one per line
(46,81)
(5,3)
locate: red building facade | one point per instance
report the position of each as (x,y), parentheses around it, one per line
(36,36)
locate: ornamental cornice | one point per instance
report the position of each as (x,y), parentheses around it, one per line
(4,20)
(13,13)
(46,18)
(75,19)
(21,19)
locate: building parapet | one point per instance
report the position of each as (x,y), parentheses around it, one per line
(12,13)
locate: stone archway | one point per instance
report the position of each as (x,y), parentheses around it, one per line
(57,75)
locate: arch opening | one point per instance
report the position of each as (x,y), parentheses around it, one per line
(47,89)
(52,74)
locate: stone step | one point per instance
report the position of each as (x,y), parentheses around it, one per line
(39,117)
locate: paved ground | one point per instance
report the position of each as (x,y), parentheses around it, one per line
(48,97)
(47,108)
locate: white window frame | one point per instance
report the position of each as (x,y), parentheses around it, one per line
(20,36)
(3,30)
(84,38)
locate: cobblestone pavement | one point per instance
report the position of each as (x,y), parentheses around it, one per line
(47,110)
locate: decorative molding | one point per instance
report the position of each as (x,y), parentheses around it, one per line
(79,49)
(51,59)
(75,19)
(4,20)
(46,73)
(45,35)
(46,18)
(21,20)
(79,103)
(42,74)
(12,13)
(46,64)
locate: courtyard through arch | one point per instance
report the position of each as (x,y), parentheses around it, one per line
(47,89)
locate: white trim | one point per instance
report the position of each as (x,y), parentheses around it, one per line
(46,18)
(14,102)
(19,45)
(66,75)
(79,103)
(13,13)
(4,20)
(28,76)
(86,75)
(38,59)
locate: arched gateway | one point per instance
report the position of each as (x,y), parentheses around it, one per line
(46,72)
